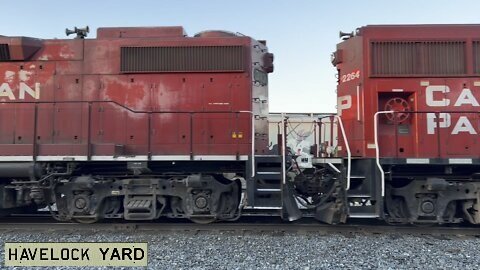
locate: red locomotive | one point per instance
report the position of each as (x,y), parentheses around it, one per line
(408,97)
(84,121)
(142,123)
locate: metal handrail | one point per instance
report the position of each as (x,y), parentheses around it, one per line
(116,103)
(349,154)
(377,150)
(347,148)
(284,146)
(253,142)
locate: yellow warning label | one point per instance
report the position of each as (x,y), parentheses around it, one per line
(76,254)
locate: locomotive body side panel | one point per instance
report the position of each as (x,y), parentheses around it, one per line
(134,93)
(429,71)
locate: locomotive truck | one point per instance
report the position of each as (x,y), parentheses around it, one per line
(146,122)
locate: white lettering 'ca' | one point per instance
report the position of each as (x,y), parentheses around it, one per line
(465,97)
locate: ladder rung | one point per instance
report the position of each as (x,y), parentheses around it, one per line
(366,196)
(269,190)
(264,207)
(366,215)
(276,173)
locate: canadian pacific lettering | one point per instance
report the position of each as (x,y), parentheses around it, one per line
(436,97)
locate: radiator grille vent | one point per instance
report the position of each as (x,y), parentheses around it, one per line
(4,52)
(476,57)
(182,59)
(418,58)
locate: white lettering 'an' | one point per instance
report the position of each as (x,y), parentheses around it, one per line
(463,125)
(430,90)
(6,91)
(466,97)
(344,102)
(432,121)
(24,88)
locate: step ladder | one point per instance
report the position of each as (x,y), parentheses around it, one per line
(265,187)
(364,197)
(360,203)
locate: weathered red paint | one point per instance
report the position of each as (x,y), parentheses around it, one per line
(88,107)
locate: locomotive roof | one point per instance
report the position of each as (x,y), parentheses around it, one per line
(419,25)
(421,31)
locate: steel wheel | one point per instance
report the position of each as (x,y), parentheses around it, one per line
(203,220)
(85,220)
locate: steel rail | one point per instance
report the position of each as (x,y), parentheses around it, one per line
(269,225)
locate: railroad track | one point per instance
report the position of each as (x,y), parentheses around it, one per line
(247,225)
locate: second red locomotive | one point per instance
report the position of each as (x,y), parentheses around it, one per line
(408,96)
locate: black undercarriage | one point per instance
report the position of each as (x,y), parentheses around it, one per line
(433,193)
(211,191)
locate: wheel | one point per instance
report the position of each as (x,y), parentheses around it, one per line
(397,211)
(85,220)
(424,224)
(112,206)
(450,212)
(203,220)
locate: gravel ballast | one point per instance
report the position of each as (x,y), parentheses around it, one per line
(275,250)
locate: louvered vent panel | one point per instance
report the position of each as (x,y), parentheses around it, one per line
(476,57)
(393,58)
(4,52)
(182,59)
(418,58)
